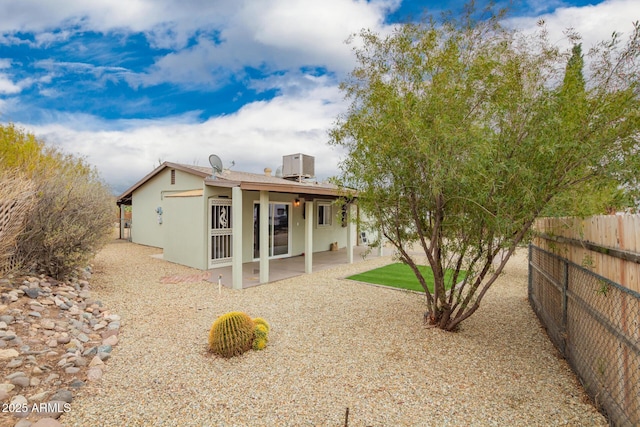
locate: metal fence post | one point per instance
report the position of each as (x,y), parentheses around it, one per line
(565,287)
(530,281)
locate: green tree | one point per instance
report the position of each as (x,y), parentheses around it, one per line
(461,132)
(605,195)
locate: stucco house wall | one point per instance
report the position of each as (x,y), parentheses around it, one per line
(324,235)
(185,237)
(146,228)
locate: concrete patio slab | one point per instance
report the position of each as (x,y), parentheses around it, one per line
(284,268)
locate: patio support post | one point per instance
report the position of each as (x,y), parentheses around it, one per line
(264,236)
(122,221)
(308,237)
(236,218)
(349,235)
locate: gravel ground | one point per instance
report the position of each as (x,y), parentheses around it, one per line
(334,344)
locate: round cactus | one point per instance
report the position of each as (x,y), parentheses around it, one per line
(261,321)
(259,343)
(231,334)
(260,331)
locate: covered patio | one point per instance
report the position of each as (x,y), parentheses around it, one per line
(284,268)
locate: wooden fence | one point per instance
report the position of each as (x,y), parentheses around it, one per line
(16,201)
(608,245)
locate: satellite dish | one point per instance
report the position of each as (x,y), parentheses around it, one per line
(216,164)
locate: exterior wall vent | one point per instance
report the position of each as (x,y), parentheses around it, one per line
(298,166)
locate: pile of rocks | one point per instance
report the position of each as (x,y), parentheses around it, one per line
(53,339)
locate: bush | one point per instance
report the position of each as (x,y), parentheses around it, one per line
(69,223)
(72,215)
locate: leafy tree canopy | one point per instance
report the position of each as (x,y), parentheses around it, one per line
(461,132)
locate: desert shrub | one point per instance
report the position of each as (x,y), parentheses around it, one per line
(16,201)
(71,220)
(72,215)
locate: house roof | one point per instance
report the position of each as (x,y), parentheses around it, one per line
(244,180)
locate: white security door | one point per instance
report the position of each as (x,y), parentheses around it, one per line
(220,232)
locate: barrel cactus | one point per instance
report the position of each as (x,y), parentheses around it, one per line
(259,343)
(260,332)
(261,321)
(231,334)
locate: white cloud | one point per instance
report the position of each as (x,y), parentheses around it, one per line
(272,35)
(594,22)
(229,34)
(8,87)
(310,32)
(255,137)
(46,38)
(203,64)
(169,23)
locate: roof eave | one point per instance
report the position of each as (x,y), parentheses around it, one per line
(296,189)
(221,183)
(126,196)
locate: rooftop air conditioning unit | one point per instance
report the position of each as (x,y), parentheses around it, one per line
(298,166)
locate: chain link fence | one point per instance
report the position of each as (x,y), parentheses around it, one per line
(595,324)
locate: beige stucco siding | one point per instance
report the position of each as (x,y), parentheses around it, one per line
(185,231)
(323,236)
(146,229)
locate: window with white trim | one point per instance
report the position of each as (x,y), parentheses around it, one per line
(324,216)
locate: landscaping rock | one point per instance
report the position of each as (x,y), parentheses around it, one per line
(63,395)
(94,374)
(32,292)
(22,381)
(14,363)
(8,354)
(47,422)
(45,327)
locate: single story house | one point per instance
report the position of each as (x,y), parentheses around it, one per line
(209,217)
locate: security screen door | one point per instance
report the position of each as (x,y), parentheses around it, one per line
(220,232)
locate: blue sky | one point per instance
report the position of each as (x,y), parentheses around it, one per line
(130,83)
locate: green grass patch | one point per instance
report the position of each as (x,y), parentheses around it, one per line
(401,276)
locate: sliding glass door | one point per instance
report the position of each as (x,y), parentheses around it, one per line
(279,226)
